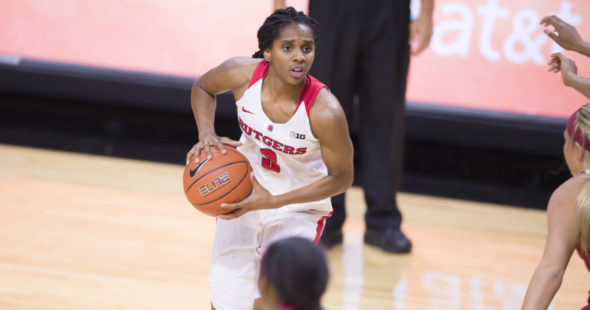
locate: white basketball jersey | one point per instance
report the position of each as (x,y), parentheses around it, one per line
(284,156)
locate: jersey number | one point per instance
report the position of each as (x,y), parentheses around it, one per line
(269,161)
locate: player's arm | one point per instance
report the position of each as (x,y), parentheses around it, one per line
(232,75)
(422,27)
(279,4)
(580,84)
(561,242)
(565,35)
(329,125)
(559,62)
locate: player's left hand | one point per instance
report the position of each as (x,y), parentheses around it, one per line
(559,62)
(260,198)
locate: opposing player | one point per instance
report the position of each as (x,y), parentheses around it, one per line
(293,275)
(567,37)
(295,135)
(568,214)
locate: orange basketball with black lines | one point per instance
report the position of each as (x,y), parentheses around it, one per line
(223,178)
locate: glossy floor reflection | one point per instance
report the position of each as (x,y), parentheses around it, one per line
(92,232)
(466,255)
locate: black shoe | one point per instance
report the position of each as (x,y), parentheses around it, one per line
(331,238)
(389,240)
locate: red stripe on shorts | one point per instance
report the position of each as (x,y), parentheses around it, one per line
(320,228)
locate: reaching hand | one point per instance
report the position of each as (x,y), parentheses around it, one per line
(561,63)
(564,34)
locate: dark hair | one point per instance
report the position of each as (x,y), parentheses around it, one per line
(273,25)
(298,271)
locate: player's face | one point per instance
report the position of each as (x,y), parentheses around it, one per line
(292,53)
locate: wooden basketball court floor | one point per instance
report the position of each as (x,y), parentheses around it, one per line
(90,232)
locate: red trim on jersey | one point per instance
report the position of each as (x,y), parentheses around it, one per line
(286,306)
(259,73)
(320,228)
(310,90)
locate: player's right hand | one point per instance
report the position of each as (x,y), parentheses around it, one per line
(204,146)
(564,34)
(260,198)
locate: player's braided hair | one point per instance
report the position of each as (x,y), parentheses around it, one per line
(273,25)
(298,271)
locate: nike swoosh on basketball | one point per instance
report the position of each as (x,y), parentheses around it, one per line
(244,109)
(192,172)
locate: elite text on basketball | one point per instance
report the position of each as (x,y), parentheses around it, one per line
(219,181)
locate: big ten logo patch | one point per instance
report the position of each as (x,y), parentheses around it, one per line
(297,135)
(215,184)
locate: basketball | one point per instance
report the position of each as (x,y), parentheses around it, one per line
(223,178)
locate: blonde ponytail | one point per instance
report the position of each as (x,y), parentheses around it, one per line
(583,215)
(583,201)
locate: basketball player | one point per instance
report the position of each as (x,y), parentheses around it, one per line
(567,37)
(568,214)
(293,275)
(295,135)
(365,56)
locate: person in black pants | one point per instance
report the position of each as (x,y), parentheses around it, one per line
(364,54)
